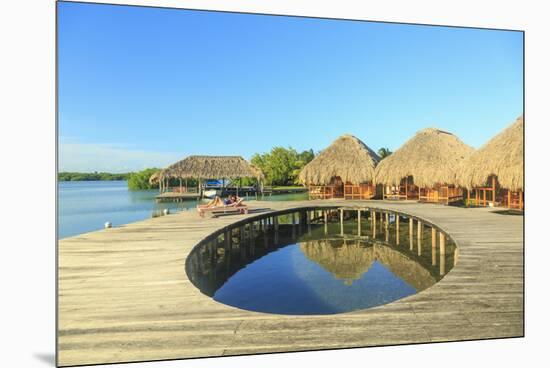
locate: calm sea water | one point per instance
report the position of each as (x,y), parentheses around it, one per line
(85,206)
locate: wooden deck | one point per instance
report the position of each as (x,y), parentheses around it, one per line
(124,294)
(176,197)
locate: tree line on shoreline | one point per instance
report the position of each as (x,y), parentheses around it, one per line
(280,166)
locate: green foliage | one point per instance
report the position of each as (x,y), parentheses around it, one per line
(140,180)
(95,176)
(281,166)
(384,152)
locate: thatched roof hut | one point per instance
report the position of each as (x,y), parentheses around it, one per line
(210,167)
(502,156)
(432,157)
(347,157)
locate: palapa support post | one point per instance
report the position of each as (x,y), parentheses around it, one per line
(397,228)
(242,246)
(419,237)
(242,234)
(521,200)
(227,241)
(293,225)
(358,222)
(441,253)
(411,232)
(252,234)
(387,227)
(494,186)
(276,230)
(341,222)
(434,243)
(325,218)
(373,223)
(213,254)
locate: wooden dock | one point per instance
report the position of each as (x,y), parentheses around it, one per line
(124,294)
(176,197)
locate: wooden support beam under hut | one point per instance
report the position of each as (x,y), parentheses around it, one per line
(424,168)
(345,170)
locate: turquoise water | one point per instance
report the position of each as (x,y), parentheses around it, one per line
(85,206)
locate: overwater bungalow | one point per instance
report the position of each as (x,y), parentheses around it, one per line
(345,169)
(424,168)
(210,167)
(493,175)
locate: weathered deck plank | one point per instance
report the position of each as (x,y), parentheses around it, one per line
(124,294)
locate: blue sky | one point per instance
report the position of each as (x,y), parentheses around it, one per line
(142,87)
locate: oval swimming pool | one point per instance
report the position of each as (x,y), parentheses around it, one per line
(321,261)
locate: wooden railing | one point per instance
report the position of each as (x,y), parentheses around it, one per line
(513,200)
(401,192)
(442,194)
(323,192)
(361,191)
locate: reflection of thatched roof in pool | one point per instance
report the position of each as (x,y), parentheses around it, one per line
(348,261)
(347,157)
(432,157)
(501,156)
(210,167)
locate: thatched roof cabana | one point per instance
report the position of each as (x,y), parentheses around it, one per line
(431,157)
(347,157)
(210,167)
(502,156)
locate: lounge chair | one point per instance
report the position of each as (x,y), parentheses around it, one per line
(236,207)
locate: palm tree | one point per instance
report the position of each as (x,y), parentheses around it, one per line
(384,152)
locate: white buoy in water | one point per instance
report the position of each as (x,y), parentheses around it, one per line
(108,225)
(166,211)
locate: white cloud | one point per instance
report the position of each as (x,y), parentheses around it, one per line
(89,157)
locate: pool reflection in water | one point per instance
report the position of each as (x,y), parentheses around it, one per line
(298,264)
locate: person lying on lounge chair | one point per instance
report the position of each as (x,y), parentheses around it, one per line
(218,202)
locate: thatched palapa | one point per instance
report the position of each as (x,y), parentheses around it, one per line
(502,157)
(211,167)
(345,169)
(432,157)
(347,157)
